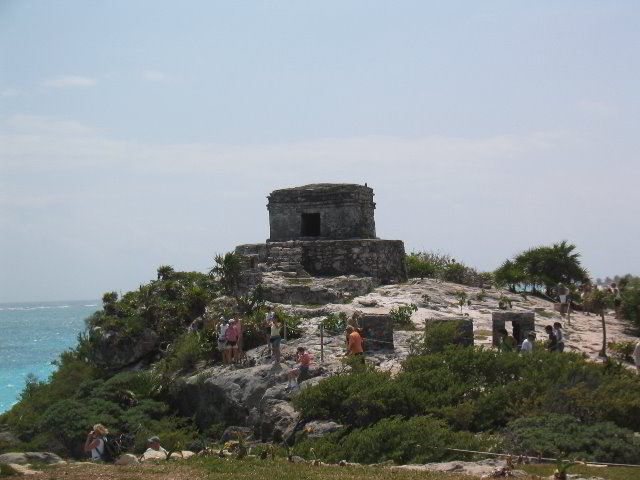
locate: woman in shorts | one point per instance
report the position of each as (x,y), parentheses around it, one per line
(274,340)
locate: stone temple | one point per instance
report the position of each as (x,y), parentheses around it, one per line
(323,230)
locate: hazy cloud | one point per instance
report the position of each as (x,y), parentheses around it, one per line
(598,107)
(155,76)
(69,81)
(10,92)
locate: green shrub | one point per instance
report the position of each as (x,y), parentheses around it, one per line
(419,267)
(401,315)
(622,350)
(415,440)
(184,353)
(480,390)
(439,335)
(357,399)
(334,323)
(551,435)
(631,299)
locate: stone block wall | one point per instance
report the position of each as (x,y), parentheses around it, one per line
(521,322)
(383,260)
(342,211)
(464,324)
(377,332)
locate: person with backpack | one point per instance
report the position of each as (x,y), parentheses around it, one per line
(96,442)
(231,336)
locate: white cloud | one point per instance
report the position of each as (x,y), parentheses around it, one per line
(155,76)
(598,107)
(71,81)
(10,92)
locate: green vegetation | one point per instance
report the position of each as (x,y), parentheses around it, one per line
(444,267)
(334,323)
(622,350)
(401,316)
(630,292)
(85,389)
(542,268)
(476,391)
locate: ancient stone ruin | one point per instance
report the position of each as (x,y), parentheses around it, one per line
(521,322)
(322,231)
(377,332)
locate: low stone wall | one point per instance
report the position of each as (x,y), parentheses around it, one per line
(377,332)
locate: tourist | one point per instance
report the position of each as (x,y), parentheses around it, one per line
(154,446)
(269,318)
(507,342)
(563,293)
(527,343)
(636,356)
(552,344)
(231,336)
(222,343)
(557,331)
(301,373)
(274,340)
(354,343)
(95,442)
(617,299)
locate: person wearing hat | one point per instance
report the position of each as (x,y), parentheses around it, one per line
(222,343)
(527,343)
(231,336)
(154,445)
(95,441)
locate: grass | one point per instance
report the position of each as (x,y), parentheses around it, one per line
(482,334)
(543,313)
(610,473)
(213,468)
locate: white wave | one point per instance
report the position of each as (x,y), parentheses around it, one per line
(94,305)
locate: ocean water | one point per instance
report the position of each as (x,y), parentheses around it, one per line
(32,335)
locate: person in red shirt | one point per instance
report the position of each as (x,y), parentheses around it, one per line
(302,372)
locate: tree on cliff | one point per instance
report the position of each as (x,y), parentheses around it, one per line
(227,271)
(543,267)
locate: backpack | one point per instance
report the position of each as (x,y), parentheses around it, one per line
(109,449)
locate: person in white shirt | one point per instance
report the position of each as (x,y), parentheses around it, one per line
(95,441)
(527,343)
(636,356)
(222,343)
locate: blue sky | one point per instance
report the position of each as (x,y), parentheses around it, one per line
(140,133)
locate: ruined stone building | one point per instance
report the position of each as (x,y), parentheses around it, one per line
(324,230)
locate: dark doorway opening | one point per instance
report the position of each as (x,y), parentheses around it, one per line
(310,225)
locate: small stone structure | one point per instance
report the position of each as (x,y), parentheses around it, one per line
(323,230)
(321,211)
(464,324)
(377,332)
(523,323)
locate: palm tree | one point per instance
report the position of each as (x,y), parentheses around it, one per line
(165,272)
(227,270)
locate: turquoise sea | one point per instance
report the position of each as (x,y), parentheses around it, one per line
(32,335)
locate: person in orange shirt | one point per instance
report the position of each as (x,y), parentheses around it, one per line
(354,343)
